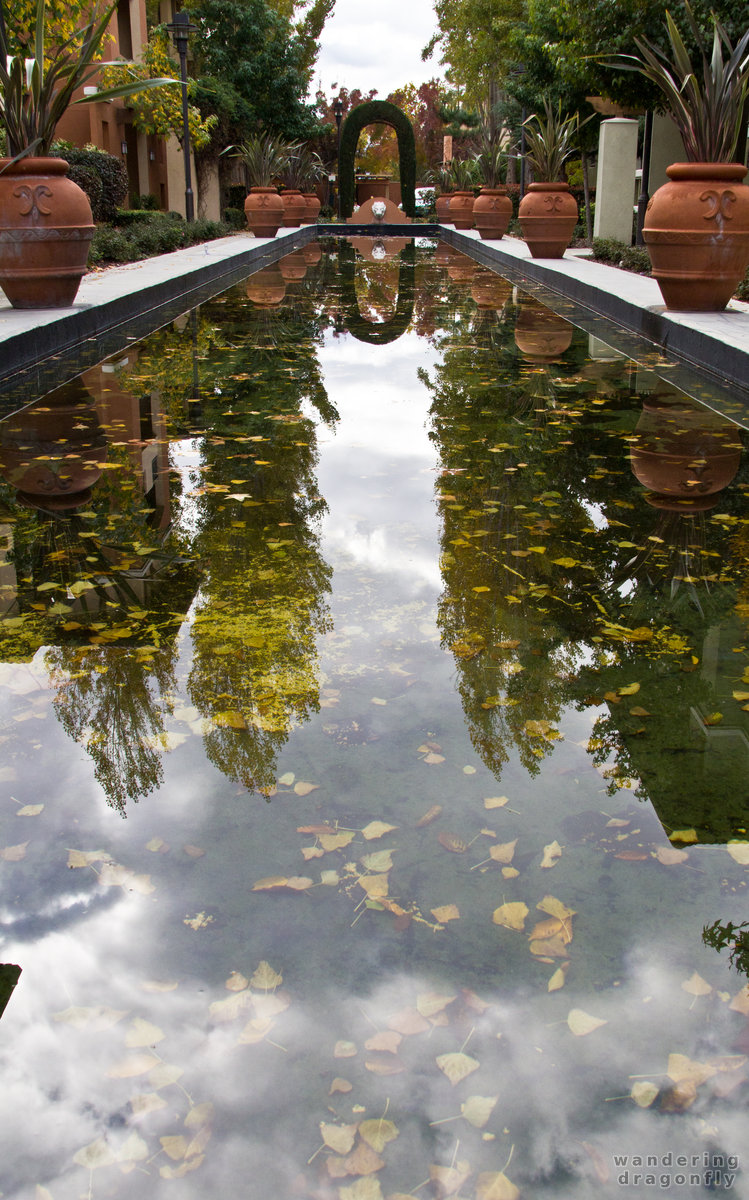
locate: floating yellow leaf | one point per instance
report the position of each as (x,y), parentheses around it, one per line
(430,1003)
(133,1065)
(457,1066)
(237,982)
(384,1066)
(565,562)
(582,1023)
(478,1109)
(199,1115)
(510,872)
(644,1093)
(296,883)
(494,1185)
(336,841)
(304,789)
(256,1030)
(387,1041)
(184,1168)
(95,1019)
(264,978)
(629,690)
(364,1189)
(340,1085)
(550,947)
(146,1102)
(551,853)
(174,1145)
(696,985)
(445,913)
(376,886)
(96,1154)
(452,842)
(433,759)
(504,852)
(29,810)
(739,852)
(233,1006)
(557,980)
(511,915)
(338,1137)
(287,779)
(555,908)
(446,1181)
(344,1049)
(142,1033)
(164,1075)
(669,855)
(381,860)
(686,836)
(740,1002)
(14,853)
(377,1133)
(686,1070)
(231,719)
(376,829)
(409,1022)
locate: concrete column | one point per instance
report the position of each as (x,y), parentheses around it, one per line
(666,148)
(615,181)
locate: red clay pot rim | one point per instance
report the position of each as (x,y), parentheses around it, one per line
(706,170)
(549,187)
(34,166)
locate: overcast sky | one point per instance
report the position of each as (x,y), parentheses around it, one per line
(376,44)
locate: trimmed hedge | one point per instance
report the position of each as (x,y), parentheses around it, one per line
(377,112)
(619,254)
(102,177)
(148,235)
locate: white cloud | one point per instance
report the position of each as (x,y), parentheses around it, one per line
(380,47)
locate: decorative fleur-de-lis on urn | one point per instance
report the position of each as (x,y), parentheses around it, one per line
(32,201)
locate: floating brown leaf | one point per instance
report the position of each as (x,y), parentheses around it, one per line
(376,829)
(336,841)
(265,978)
(14,853)
(364,1189)
(431,1003)
(378,1132)
(386,1040)
(452,842)
(408,1021)
(457,1066)
(445,913)
(384,1065)
(430,815)
(295,883)
(511,915)
(494,1185)
(340,1085)
(338,1137)
(446,1181)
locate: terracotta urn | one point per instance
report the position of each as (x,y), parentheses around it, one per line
(264,211)
(293,267)
(442,204)
(45,233)
(461,209)
(53,451)
(697,233)
(312,208)
(541,335)
(294,208)
(548,215)
(266,288)
(492,210)
(684,454)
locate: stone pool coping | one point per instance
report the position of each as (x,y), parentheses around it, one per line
(121,304)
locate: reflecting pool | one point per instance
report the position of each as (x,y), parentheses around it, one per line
(374,695)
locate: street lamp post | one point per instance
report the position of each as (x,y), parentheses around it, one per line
(180,29)
(338,114)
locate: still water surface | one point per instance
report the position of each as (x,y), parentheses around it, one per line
(374,690)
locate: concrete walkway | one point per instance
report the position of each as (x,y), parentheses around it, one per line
(119,305)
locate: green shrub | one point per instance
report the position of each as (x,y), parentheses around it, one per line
(742,291)
(148,202)
(111,187)
(90,181)
(619,254)
(126,217)
(235,218)
(110,245)
(143,235)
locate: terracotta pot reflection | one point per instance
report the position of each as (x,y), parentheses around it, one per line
(461,268)
(684,454)
(541,335)
(293,267)
(312,253)
(52,452)
(266,288)
(490,290)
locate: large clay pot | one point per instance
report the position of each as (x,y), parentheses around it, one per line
(461,209)
(492,210)
(684,454)
(548,215)
(697,233)
(442,204)
(294,208)
(312,208)
(45,233)
(541,335)
(264,211)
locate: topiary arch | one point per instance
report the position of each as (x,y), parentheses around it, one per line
(377,112)
(357,325)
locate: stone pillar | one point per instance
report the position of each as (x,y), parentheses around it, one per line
(666,148)
(615,180)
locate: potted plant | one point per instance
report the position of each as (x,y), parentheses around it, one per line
(548,211)
(442,181)
(697,225)
(492,208)
(265,159)
(464,173)
(45,219)
(311,171)
(292,180)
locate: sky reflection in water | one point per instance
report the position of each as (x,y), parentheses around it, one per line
(402,681)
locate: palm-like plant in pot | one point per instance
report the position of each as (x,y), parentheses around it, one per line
(265,159)
(45,219)
(303,169)
(697,225)
(492,208)
(464,173)
(548,211)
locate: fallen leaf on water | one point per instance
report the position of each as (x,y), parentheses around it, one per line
(376,886)
(557,980)
(338,1137)
(184,1168)
(739,852)
(264,978)
(600,1166)
(430,815)
(287,779)
(669,855)
(431,1003)
(199,1115)
(256,1030)
(686,1070)
(146,1102)
(199,921)
(304,789)
(142,1033)
(550,947)
(174,1145)
(740,1002)
(510,872)
(376,829)
(511,915)
(678,1098)
(95,1019)
(29,810)
(629,690)
(296,883)
(550,927)
(696,985)
(233,1006)
(340,1085)
(409,1022)
(496,801)
(555,908)
(686,836)
(457,1066)
(194,851)
(133,1065)
(644,1093)
(551,853)
(381,860)
(504,852)
(237,982)
(378,1132)
(164,1075)
(448,1180)
(14,853)
(336,841)
(494,1185)
(433,759)
(384,1066)
(452,842)
(387,1040)
(344,1049)
(445,913)
(582,1023)
(478,1109)
(364,1189)
(84,858)
(96,1154)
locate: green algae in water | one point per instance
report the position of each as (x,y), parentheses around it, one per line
(417,668)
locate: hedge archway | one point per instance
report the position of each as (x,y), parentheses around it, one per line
(377,112)
(357,325)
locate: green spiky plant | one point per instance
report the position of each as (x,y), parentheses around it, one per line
(708,99)
(36,92)
(464,174)
(550,141)
(265,158)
